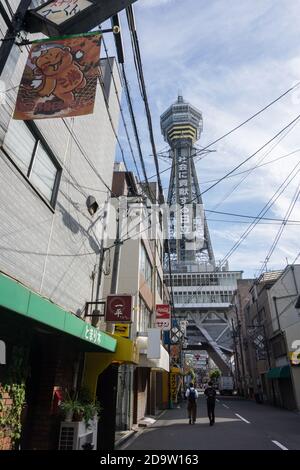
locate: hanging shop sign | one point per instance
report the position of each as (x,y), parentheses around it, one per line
(119,309)
(56,17)
(59,78)
(122,329)
(163,317)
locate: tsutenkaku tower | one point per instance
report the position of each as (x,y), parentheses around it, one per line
(181,126)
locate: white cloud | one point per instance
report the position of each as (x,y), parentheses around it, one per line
(229,61)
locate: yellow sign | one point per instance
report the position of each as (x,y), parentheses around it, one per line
(122,329)
(294,357)
(173,388)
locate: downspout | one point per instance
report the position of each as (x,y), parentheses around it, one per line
(294,277)
(276,311)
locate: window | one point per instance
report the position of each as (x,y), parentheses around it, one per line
(159,286)
(144,320)
(146,267)
(26,146)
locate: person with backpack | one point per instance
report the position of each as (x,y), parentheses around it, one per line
(211,402)
(191,395)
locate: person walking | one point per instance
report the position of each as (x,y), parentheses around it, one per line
(191,395)
(211,402)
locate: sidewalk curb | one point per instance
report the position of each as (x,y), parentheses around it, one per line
(125,438)
(134,434)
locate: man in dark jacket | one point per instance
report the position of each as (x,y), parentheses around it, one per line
(211,402)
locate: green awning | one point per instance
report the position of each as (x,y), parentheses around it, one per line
(279,373)
(18,298)
(285,372)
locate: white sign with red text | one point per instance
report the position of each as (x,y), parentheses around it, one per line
(163,317)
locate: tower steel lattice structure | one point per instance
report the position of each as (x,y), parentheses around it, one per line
(202,292)
(181,126)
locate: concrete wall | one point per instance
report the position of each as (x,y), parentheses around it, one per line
(54,252)
(288,316)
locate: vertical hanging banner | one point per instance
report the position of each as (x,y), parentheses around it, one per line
(60,78)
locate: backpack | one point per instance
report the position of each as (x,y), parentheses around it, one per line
(192,396)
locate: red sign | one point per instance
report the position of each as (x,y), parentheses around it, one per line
(163,317)
(119,309)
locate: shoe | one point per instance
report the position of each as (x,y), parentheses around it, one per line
(190,421)
(194,421)
(210,423)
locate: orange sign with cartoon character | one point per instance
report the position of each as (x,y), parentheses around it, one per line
(59,79)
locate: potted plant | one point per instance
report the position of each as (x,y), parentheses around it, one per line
(90,411)
(79,406)
(70,407)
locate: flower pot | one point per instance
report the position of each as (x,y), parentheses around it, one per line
(69,416)
(78,416)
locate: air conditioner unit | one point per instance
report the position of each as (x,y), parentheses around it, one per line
(78,436)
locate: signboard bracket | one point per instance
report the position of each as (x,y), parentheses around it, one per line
(87,308)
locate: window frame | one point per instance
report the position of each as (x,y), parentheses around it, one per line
(39,140)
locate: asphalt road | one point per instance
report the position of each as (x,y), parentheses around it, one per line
(240,425)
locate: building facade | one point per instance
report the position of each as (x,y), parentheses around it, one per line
(49,255)
(268,330)
(142,388)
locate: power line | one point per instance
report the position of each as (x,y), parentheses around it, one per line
(140,73)
(85,156)
(250,216)
(121,109)
(256,166)
(245,222)
(263,211)
(298,255)
(248,158)
(281,229)
(134,125)
(133,120)
(242,123)
(111,121)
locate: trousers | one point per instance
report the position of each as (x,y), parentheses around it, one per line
(211,410)
(192,410)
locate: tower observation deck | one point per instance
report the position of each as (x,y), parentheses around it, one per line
(190,243)
(202,292)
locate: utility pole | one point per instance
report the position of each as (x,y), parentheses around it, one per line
(14,27)
(236,353)
(241,350)
(106,437)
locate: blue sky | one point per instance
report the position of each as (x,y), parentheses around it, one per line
(229,59)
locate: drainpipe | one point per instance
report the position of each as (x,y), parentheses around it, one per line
(276,311)
(294,277)
(241,349)
(237,369)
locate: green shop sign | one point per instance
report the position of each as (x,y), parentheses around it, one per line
(18,298)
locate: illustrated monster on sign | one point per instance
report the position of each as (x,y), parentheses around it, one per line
(57,73)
